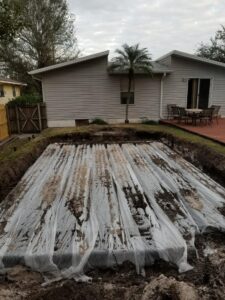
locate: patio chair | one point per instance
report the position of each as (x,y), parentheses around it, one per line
(175,112)
(216,109)
(183,116)
(206,115)
(171,111)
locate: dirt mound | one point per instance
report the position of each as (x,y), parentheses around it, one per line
(163,287)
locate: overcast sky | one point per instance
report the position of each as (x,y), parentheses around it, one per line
(159,25)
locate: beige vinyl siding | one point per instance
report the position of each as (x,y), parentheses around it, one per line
(86,91)
(147,97)
(176,84)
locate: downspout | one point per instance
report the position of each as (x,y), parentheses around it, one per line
(161,97)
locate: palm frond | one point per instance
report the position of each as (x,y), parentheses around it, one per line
(132,58)
(121,53)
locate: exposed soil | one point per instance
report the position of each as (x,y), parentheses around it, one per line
(222,210)
(209,161)
(135,198)
(160,162)
(162,281)
(192,199)
(12,171)
(167,201)
(49,190)
(76,203)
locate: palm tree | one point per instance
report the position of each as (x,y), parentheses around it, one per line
(131,60)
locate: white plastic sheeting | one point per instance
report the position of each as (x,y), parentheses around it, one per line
(89,206)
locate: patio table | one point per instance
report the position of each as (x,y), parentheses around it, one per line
(193,110)
(194,113)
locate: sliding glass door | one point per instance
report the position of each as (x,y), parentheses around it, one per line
(198,93)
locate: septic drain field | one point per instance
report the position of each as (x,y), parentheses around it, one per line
(131,216)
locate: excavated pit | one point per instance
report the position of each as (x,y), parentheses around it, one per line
(209,161)
(119,281)
(81,207)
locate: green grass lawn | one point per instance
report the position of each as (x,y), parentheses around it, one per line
(21,147)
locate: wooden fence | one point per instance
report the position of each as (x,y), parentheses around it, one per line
(27,119)
(3,123)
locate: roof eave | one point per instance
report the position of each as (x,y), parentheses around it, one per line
(69,63)
(140,73)
(165,56)
(192,57)
(163,72)
(13,83)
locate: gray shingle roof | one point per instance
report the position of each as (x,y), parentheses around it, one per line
(69,63)
(160,68)
(192,57)
(11,81)
(157,68)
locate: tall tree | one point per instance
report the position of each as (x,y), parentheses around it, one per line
(131,59)
(47,36)
(10,18)
(215,49)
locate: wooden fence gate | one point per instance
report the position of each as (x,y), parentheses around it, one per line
(27,118)
(3,123)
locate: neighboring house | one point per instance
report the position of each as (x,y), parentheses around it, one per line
(9,89)
(85,89)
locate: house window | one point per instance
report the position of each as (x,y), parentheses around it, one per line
(14,91)
(2,93)
(124,97)
(198,93)
(124,86)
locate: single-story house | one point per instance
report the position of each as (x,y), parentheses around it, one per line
(84,88)
(9,89)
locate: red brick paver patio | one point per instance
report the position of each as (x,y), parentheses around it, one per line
(214,131)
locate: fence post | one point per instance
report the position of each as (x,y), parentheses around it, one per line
(39,117)
(17,119)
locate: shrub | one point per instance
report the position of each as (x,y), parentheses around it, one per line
(99,121)
(25,100)
(150,122)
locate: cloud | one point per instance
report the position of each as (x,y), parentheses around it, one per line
(159,25)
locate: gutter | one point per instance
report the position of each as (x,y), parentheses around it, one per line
(161,96)
(13,83)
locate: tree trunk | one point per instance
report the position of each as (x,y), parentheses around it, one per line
(129,96)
